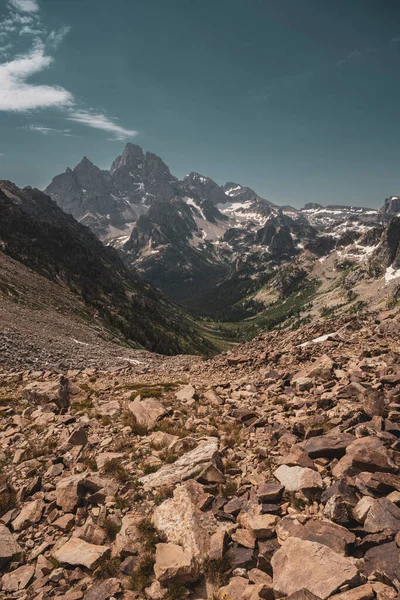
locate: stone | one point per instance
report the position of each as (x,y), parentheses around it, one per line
(362,507)
(211,475)
(300,564)
(324,532)
(384,560)
(234,589)
(76,552)
(78,437)
(182,522)
(297,457)
(174,563)
(69,491)
(48,392)
(128,539)
(382,514)
(261,526)
(383,591)
(365,454)
(65,522)
(9,546)
(270,492)
(303,384)
(329,445)
(110,409)
(218,545)
(30,513)
(18,579)
(303,594)
(258,592)
(338,510)
(321,368)
(186,394)
(295,479)
(104,590)
(147,412)
(245,538)
(185,467)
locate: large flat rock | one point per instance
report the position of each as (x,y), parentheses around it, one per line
(300,564)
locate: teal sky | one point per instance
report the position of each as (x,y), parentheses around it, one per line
(297,99)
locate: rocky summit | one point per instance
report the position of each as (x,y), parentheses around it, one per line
(270,471)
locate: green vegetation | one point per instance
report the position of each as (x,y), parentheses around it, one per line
(142,575)
(283,312)
(112,528)
(108,568)
(115,469)
(217,570)
(149,535)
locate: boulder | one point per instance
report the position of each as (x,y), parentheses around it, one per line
(324,532)
(234,589)
(128,539)
(182,522)
(384,561)
(76,552)
(175,563)
(303,383)
(78,437)
(298,478)
(328,446)
(300,564)
(270,492)
(382,514)
(104,590)
(364,454)
(363,592)
(261,526)
(30,513)
(48,392)
(69,492)
(186,394)
(9,546)
(187,466)
(147,412)
(18,579)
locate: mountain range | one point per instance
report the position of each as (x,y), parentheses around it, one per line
(36,233)
(218,251)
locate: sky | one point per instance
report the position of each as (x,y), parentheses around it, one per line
(299,100)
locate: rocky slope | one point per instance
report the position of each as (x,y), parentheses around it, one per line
(34,231)
(271,471)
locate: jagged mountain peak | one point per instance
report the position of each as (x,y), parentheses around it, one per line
(131,157)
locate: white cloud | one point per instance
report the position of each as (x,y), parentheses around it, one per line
(47,130)
(101,121)
(17,95)
(56,37)
(30,6)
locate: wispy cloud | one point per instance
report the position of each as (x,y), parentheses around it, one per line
(101,121)
(17,92)
(55,38)
(351,56)
(47,130)
(29,6)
